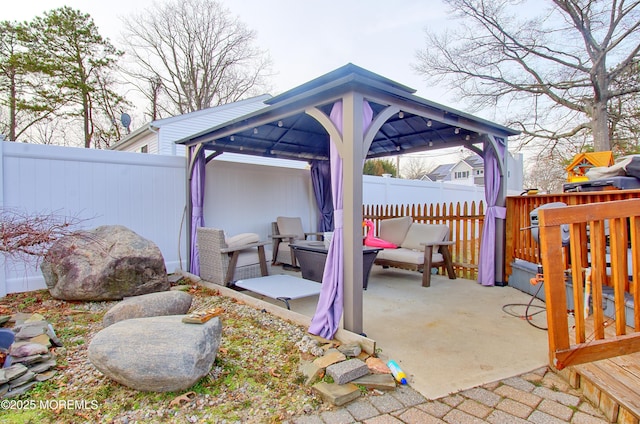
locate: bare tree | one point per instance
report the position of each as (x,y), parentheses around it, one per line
(546,175)
(562,68)
(192,54)
(414,168)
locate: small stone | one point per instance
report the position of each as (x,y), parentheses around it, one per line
(377,381)
(330,357)
(337,394)
(42,339)
(34,318)
(311,372)
(44,376)
(20,390)
(350,350)
(14,371)
(23,379)
(346,371)
(23,349)
(363,356)
(29,331)
(42,366)
(28,360)
(377,366)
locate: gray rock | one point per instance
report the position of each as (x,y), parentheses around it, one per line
(23,379)
(346,371)
(108,263)
(20,390)
(23,349)
(149,305)
(41,367)
(350,350)
(32,359)
(156,354)
(30,330)
(12,372)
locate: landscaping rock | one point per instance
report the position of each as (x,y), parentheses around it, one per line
(23,349)
(149,305)
(350,350)
(337,394)
(377,381)
(108,263)
(310,371)
(377,366)
(156,354)
(331,356)
(346,371)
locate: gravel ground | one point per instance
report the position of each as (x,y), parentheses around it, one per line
(254,378)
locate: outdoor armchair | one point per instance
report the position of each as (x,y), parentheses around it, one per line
(225,260)
(286,231)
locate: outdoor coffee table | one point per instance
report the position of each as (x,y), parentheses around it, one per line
(312,255)
(281,287)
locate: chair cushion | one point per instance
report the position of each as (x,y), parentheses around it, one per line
(290,225)
(242,239)
(248,257)
(424,233)
(394,230)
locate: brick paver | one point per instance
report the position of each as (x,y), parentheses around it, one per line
(534,397)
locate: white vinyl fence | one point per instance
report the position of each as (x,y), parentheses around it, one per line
(146,193)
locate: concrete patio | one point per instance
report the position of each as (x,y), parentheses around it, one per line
(449,337)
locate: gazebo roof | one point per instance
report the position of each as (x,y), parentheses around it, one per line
(285,129)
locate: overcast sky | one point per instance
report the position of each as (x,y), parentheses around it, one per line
(304,38)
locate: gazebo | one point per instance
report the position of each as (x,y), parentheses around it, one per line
(342,118)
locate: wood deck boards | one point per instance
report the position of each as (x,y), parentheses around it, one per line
(617,377)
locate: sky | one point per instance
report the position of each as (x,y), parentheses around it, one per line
(305,39)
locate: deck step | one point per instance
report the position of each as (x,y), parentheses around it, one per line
(613,385)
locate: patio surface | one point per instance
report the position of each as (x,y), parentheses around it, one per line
(449,337)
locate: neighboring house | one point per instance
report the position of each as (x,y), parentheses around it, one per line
(159,137)
(470,171)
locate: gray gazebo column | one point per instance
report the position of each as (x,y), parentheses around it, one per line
(500,239)
(352,162)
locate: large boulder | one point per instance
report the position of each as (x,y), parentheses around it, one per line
(108,263)
(157,354)
(149,305)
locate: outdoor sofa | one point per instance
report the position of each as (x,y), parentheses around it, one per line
(420,247)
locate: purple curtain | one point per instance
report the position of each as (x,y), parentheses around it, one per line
(321,181)
(197,200)
(326,320)
(486,267)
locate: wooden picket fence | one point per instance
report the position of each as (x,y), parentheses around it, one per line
(465,221)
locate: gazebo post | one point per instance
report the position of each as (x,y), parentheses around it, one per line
(352,161)
(500,226)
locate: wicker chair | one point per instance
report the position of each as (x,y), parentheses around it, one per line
(287,230)
(225,260)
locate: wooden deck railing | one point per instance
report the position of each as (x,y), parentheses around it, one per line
(613,259)
(519,242)
(464,220)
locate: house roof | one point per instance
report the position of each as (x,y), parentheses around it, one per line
(440,172)
(286,129)
(196,121)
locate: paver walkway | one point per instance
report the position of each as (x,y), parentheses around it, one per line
(538,397)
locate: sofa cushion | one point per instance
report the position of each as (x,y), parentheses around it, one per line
(424,233)
(394,230)
(407,256)
(241,240)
